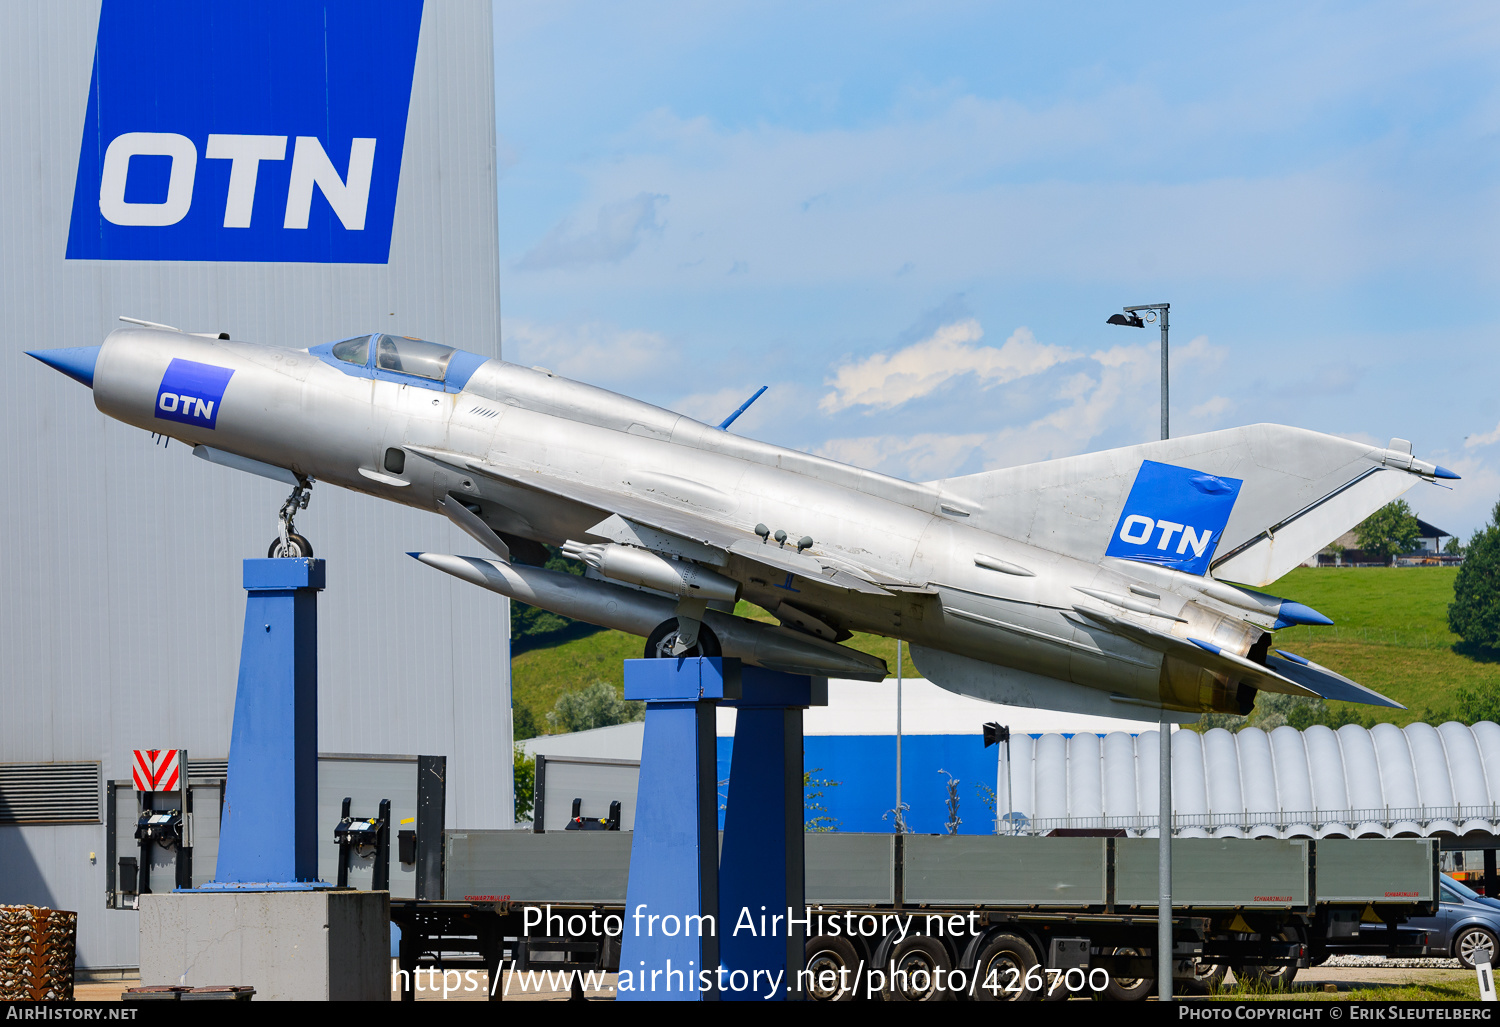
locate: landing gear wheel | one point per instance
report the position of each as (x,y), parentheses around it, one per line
(288,543)
(917,971)
(832,970)
(659,644)
(1001,969)
(296,547)
(1474,945)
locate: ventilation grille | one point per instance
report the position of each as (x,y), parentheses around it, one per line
(484,411)
(211,770)
(49,793)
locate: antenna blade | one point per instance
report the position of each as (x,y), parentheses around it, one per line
(724,425)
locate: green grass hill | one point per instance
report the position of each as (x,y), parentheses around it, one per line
(1391,634)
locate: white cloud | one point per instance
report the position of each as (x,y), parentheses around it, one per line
(1212,407)
(1489,438)
(618,231)
(883,381)
(588,352)
(1113,399)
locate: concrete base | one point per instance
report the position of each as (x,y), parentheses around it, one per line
(319,945)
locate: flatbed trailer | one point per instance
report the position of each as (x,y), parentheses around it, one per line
(995,908)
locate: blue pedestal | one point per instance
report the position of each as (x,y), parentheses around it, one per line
(268,839)
(761,874)
(672,899)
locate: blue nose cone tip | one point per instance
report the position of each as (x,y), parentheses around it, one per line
(77,362)
(1296,613)
(1443,472)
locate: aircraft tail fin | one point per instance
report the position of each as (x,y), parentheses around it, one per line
(1246,504)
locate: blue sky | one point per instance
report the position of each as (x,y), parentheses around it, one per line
(911,221)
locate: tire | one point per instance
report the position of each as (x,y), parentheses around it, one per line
(1273,977)
(825,954)
(917,958)
(297,548)
(1127,989)
(998,956)
(1208,978)
(1474,945)
(660,641)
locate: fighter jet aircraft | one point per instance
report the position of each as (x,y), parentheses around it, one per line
(1099,584)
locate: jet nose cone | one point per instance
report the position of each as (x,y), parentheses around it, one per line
(77,362)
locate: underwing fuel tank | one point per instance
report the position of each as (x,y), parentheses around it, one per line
(628,609)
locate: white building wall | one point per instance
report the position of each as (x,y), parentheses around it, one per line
(121,616)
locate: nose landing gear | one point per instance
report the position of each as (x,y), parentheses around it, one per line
(287,542)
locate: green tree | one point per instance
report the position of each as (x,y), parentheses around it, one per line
(1471,705)
(1273,709)
(1390,530)
(522,723)
(525,783)
(1454,546)
(598,705)
(1475,612)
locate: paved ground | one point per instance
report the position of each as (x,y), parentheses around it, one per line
(461,989)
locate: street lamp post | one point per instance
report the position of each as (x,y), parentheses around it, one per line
(1132,318)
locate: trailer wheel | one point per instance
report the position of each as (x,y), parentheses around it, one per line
(1000,970)
(824,955)
(1207,978)
(917,970)
(1275,977)
(1128,989)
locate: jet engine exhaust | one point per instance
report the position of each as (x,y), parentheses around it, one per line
(626,609)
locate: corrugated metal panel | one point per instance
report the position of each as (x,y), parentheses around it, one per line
(49,793)
(1417,781)
(122,621)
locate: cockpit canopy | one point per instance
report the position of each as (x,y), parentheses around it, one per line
(397,354)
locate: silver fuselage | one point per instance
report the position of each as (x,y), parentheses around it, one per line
(297,410)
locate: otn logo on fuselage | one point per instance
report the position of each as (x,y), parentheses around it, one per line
(258,130)
(1174,517)
(191,393)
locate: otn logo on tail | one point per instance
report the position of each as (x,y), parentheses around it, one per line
(1174,517)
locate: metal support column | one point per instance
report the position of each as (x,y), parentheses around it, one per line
(270,831)
(672,899)
(1165,964)
(761,870)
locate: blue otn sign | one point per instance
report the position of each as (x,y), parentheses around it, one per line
(270,130)
(1174,517)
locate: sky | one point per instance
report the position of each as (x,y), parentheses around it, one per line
(911,221)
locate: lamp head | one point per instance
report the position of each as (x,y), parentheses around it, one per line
(995,733)
(1130,320)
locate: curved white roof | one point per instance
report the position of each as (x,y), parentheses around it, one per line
(1383,782)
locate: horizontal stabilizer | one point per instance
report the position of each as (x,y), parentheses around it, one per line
(1203,654)
(1247,504)
(1328,684)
